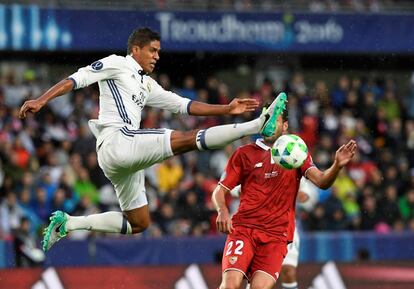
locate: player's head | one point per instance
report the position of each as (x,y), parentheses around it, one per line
(282,127)
(144,46)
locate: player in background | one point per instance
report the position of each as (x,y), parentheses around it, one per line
(307,198)
(263,225)
(124,150)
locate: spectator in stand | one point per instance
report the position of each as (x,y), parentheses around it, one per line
(406,204)
(369,217)
(340,92)
(85,188)
(169,174)
(26,252)
(10,215)
(188,89)
(388,206)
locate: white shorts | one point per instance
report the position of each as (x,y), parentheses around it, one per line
(125,154)
(292,256)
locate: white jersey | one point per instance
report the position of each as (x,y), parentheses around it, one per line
(310,189)
(124,91)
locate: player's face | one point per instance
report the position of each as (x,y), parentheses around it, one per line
(282,127)
(148,55)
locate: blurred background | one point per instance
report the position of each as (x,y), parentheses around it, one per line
(348,68)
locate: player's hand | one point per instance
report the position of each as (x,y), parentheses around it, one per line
(345,153)
(240,105)
(223,222)
(32,106)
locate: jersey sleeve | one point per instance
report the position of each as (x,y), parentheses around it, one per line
(307,165)
(232,173)
(161,98)
(105,68)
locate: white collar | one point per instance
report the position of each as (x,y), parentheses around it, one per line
(133,63)
(262,145)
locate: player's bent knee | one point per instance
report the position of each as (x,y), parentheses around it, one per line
(138,219)
(183,141)
(139,227)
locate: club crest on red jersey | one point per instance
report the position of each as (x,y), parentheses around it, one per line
(232,259)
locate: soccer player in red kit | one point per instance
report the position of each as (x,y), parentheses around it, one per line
(263,225)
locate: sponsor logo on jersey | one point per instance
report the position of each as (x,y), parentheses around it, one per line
(97,65)
(271,175)
(139,100)
(232,259)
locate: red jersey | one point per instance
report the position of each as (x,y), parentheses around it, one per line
(268,192)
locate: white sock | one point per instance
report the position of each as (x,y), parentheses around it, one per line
(219,136)
(109,222)
(293,285)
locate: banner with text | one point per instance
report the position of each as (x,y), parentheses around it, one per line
(34,28)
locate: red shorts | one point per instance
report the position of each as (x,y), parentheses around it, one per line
(250,250)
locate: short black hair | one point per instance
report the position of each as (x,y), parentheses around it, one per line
(141,37)
(285,114)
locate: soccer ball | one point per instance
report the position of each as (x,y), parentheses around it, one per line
(289,151)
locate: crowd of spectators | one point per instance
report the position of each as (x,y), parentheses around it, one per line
(48,161)
(317,6)
(275,5)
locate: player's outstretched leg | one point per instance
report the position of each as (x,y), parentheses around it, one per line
(265,124)
(62,223)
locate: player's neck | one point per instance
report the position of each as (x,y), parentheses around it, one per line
(268,143)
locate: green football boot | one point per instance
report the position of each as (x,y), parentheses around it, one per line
(56,230)
(271,114)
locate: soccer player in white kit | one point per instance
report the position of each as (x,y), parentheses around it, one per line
(124,150)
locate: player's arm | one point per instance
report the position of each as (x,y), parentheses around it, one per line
(229,180)
(161,98)
(325,179)
(236,106)
(99,70)
(223,220)
(62,87)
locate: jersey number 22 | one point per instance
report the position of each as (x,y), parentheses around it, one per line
(238,248)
